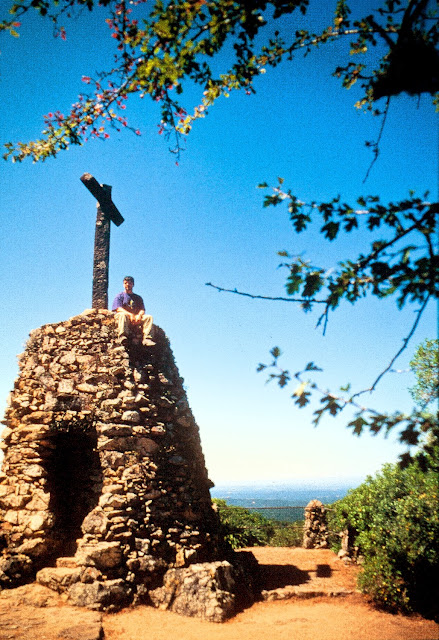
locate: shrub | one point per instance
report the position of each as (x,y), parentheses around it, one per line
(395,519)
(287,535)
(242,528)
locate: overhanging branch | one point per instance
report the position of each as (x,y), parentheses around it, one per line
(273,298)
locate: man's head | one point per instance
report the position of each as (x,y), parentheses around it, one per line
(128,283)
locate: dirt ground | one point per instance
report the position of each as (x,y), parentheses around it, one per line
(35,613)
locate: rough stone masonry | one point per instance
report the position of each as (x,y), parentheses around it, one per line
(104,494)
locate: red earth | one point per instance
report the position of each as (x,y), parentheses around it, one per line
(33,612)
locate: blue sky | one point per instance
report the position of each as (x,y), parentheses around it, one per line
(203,221)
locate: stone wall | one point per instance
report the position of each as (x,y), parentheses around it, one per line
(104,489)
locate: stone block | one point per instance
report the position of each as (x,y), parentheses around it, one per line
(95,522)
(11,516)
(115,501)
(184,421)
(115,430)
(33,548)
(39,502)
(87,388)
(131,416)
(103,555)
(204,590)
(15,569)
(65,387)
(13,501)
(109,594)
(112,459)
(144,446)
(43,417)
(67,563)
(39,521)
(58,578)
(68,358)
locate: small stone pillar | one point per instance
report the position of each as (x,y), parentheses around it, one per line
(348,552)
(315,534)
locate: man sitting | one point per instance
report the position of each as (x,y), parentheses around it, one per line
(130,311)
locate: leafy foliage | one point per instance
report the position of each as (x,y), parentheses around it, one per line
(244,528)
(395,519)
(425,364)
(241,527)
(160,45)
(287,535)
(403,263)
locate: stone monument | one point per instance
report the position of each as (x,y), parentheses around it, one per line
(104,493)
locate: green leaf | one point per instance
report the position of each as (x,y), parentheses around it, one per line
(358,425)
(331,230)
(276,352)
(312,367)
(303,399)
(313,283)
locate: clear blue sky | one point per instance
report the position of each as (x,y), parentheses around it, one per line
(203,221)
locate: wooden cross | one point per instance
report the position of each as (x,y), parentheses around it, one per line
(107,213)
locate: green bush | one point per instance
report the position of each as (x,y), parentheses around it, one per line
(287,535)
(244,528)
(395,521)
(241,527)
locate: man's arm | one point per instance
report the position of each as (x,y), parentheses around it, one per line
(118,305)
(118,308)
(122,310)
(141,312)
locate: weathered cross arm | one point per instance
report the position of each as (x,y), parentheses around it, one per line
(107,213)
(103,197)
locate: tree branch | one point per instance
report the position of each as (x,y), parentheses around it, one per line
(257,297)
(391,242)
(404,346)
(376,145)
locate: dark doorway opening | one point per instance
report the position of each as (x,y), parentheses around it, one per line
(74,482)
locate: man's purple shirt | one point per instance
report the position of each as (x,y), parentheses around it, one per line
(129,301)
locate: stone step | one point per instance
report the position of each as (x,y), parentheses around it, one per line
(58,578)
(67,563)
(289,591)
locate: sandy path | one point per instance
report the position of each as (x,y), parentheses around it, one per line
(347,618)
(34,612)
(324,618)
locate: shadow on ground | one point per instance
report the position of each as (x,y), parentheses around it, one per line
(276,576)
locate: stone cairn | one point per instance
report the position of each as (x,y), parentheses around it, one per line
(349,551)
(315,533)
(104,494)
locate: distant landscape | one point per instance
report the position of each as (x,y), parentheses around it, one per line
(260,496)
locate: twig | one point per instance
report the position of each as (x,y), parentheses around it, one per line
(396,356)
(376,144)
(256,297)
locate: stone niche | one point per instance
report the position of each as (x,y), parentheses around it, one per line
(104,493)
